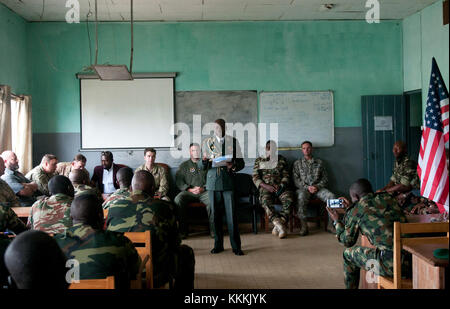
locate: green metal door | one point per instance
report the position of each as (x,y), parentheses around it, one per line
(384,121)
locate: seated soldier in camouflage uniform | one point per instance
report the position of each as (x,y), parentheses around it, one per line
(191,180)
(80,182)
(8,222)
(42,173)
(52,214)
(7,196)
(404,176)
(124,177)
(24,189)
(372,215)
(100,253)
(140,212)
(159,174)
(271,177)
(310,177)
(35,261)
(78,163)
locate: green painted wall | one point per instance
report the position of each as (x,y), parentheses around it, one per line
(352,58)
(412,53)
(13,49)
(426,37)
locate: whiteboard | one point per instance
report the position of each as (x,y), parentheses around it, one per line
(305,115)
(127,114)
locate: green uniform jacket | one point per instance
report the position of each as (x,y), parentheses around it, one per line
(100,253)
(374,216)
(117,195)
(190,175)
(51,214)
(161,178)
(41,178)
(309,173)
(219,178)
(7,196)
(263,172)
(405,173)
(10,221)
(140,213)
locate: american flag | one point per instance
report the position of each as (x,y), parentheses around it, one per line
(432,167)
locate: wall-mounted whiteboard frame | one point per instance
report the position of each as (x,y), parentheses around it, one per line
(154,99)
(301,115)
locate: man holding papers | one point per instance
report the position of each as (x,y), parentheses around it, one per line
(222,158)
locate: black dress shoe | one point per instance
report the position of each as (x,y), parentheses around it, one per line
(238,252)
(216,250)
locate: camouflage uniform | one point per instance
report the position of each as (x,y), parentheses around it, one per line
(41,178)
(190,175)
(278,175)
(7,196)
(140,212)
(310,173)
(405,173)
(14,179)
(119,194)
(64,169)
(100,253)
(85,189)
(373,216)
(161,179)
(10,221)
(51,214)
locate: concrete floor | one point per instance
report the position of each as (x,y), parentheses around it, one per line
(310,262)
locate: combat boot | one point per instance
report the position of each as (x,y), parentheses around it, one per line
(275,231)
(303,227)
(280,227)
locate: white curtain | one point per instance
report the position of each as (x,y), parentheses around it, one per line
(5,118)
(21,131)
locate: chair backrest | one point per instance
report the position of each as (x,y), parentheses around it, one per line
(107,283)
(144,238)
(244,185)
(401,229)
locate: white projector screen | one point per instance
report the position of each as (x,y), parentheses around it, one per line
(127,114)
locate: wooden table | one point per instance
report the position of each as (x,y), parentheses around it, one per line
(428,271)
(22,212)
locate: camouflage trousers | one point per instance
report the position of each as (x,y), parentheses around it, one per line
(358,257)
(303,197)
(267,200)
(183,199)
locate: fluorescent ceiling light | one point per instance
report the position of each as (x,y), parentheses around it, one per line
(113,72)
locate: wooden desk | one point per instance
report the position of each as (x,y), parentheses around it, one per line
(428,271)
(22,212)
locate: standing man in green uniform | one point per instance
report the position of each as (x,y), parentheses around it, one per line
(220,184)
(373,215)
(191,180)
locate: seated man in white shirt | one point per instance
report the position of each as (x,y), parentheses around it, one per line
(104,176)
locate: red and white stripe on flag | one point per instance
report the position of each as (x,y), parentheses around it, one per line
(432,167)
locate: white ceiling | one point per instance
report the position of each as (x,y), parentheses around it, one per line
(214,10)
